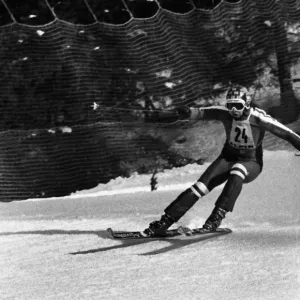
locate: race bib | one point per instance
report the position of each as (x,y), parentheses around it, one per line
(241,135)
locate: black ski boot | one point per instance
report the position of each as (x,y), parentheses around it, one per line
(215,219)
(158,228)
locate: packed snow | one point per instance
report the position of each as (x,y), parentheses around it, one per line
(59,249)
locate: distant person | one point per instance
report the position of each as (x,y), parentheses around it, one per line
(241,159)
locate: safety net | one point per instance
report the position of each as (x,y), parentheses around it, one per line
(81,81)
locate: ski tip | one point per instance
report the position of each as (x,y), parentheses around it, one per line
(225,230)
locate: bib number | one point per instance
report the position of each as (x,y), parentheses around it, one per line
(241,135)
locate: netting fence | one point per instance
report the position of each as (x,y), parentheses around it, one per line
(79,80)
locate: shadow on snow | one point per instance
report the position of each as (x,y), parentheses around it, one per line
(175,242)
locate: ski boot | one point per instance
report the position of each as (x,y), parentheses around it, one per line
(215,219)
(158,228)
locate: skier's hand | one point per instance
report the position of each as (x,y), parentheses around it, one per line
(184,112)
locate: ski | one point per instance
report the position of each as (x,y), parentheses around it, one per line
(185,231)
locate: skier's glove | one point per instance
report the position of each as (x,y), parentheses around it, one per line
(184,112)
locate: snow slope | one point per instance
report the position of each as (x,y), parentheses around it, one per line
(58,248)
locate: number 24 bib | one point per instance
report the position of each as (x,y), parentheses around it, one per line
(241,135)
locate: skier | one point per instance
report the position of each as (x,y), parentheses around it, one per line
(241,159)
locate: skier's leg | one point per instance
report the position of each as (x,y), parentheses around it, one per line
(240,173)
(214,175)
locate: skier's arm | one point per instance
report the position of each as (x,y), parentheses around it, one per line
(203,113)
(188,113)
(164,116)
(279,130)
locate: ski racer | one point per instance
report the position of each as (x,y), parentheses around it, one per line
(241,159)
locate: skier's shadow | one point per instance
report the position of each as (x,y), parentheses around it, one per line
(174,243)
(124,244)
(103,234)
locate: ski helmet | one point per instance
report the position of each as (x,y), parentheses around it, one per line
(238,97)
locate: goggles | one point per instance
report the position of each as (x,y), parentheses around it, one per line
(236,105)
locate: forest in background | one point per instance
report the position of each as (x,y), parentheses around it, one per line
(78,83)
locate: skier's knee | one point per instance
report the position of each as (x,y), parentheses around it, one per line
(199,189)
(239,170)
